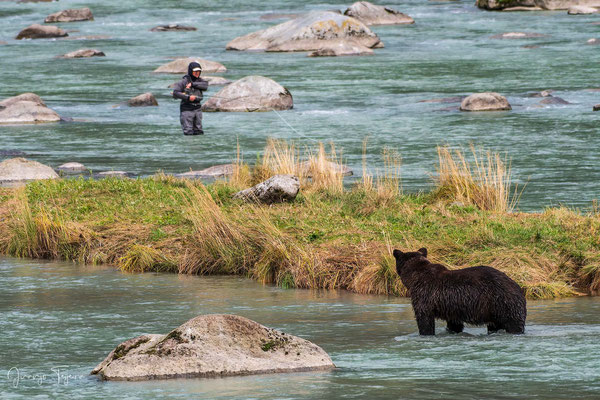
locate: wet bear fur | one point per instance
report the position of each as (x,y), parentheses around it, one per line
(477,295)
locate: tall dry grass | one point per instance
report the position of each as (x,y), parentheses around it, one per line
(44,235)
(141,258)
(484,182)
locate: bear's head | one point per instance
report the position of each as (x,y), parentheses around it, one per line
(403,258)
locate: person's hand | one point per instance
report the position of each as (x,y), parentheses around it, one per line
(189,85)
(192,98)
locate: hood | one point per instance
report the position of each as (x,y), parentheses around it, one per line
(193,65)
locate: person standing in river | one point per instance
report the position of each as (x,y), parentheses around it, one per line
(189,89)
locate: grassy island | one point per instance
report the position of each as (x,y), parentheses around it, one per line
(330,237)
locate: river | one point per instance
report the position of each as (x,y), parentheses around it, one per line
(447,52)
(58,320)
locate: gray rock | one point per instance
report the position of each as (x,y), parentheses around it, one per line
(71,15)
(212,346)
(114,174)
(488,101)
(84,53)
(543,93)
(37,31)
(143,100)
(216,171)
(180,66)
(272,16)
(252,93)
(534,4)
(15,170)
(554,100)
(309,32)
(593,41)
(342,48)
(71,167)
(581,10)
(276,189)
(26,108)
(596,107)
(517,35)
(172,27)
(371,14)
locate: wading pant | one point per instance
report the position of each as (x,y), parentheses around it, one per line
(191,122)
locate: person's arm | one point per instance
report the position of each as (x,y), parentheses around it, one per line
(178,91)
(200,84)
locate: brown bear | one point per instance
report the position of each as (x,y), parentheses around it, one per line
(476,295)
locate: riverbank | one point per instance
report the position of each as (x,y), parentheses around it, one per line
(329,237)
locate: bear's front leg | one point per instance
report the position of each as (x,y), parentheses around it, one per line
(426,324)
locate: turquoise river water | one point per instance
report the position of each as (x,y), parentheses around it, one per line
(447,52)
(59,320)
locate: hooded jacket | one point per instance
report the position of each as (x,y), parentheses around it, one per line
(198,86)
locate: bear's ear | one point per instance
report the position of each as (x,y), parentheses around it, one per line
(423,251)
(397,254)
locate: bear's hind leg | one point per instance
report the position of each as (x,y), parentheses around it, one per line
(455,327)
(493,328)
(426,324)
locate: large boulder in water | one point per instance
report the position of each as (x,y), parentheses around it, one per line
(211,346)
(37,31)
(371,14)
(84,53)
(180,66)
(143,100)
(276,189)
(534,4)
(582,10)
(252,93)
(20,170)
(26,108)
(307,33)
(488,101)
(71,15)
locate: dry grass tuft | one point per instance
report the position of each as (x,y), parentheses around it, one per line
(485,183)
(142,258)
(44,235)
(325,170)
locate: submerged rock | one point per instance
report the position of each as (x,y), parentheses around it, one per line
(143,100)
(216,171)
(371,14)
(596,107)
(593,41)
(309,32)
(309,168)
(26,108)
(37,31)
(534,4)
(454,99)
(71,15)
(487,101)
(517,35)
(84,53)
(252,93)
(15,170)
(342,48)
(180,66)
(554,100)
(172,27)
(276,189)
(114,174)
(210,346)
(71,167)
